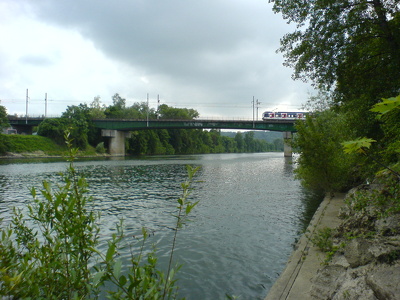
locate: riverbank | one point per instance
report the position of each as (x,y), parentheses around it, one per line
(42,154)
(296,280)
(365,262)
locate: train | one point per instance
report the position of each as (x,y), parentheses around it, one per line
(284,115)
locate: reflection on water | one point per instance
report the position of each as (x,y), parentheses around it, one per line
(251,211)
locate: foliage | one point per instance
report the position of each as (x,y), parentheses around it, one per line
(47,255)
(322,165)
(79,124)
(3,118)
(349,50)
(193,141)
(4,144)
(185,206)
(54,129)
(100,148)
(358,145)
(48,251)
(96,109)
(167,112)
(119,110)
(384,199)
(323,240)
(78,120)
(29,143)
(386,106)
(335,40)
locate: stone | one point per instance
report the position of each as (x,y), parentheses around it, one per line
(385,281)
(357,252)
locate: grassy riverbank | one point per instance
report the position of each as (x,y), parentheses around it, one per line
(34,145)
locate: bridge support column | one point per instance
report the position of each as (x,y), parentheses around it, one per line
(287,148)
(116,147)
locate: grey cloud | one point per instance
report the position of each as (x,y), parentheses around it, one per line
(36,60)
(227,47)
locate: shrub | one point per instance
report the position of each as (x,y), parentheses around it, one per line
(50,254)
(100,148)
(322,165)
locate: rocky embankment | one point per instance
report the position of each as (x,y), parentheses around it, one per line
(365,257)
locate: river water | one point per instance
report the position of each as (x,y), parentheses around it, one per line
(250,213)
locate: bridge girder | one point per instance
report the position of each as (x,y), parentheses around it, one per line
(131,125)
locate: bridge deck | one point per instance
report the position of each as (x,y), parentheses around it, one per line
(140,124)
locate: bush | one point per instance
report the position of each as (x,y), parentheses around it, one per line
(100,148)
(4,144)
(322,165)
(50,254)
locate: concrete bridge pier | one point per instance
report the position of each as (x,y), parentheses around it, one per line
(287,148)
(116,146)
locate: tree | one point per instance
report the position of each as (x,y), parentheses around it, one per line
(168,112)
(117,110)
(54,129)
(239,141)
(343,42)
(118,101)
(322,165)
(3,118)
(96,109)
(249,141)
(78,120)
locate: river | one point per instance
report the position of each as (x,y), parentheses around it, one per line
(251,211)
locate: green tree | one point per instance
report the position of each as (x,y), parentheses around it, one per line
(322,165)
(278,145)
(143,111)
(3,118)
(239,141)
(79,123)
(96,109)
(168,112)
(229,144)
(349,47)
(332,34)
(249,141)
(117,110)
(54,129)
(76,119)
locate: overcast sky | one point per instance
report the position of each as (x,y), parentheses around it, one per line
(210,55)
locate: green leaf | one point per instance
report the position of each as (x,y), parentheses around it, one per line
(110,252)
(117,268)
(357,146)
(386,106)
(122,281)
(97,278)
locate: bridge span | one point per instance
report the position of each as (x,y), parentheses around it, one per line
(118,129)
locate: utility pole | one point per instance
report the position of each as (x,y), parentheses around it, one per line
(45,105)
(158,106)
(257,105)
(26,114)
(253,111)
(147,109)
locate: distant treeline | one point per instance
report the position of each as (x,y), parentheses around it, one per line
(149,142)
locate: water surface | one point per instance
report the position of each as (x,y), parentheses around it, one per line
(239,237)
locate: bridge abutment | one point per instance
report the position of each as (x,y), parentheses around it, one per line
(116,146)
(287,148)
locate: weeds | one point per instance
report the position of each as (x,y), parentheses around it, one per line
(323,240)
(51,252)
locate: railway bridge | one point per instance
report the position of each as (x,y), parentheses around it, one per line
(119,129)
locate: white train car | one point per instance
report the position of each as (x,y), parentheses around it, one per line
(283,115)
